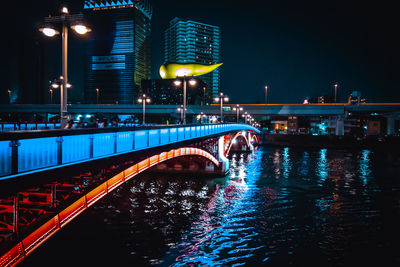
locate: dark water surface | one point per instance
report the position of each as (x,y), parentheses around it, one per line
(277,207)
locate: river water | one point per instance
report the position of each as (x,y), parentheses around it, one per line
(277,207)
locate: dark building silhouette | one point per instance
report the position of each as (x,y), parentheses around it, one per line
(118,52)
(165,92)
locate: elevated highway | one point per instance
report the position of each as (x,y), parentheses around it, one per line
(254,109)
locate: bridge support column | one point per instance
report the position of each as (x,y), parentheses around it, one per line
(59,150)
(390,125)
(339,126)
(14,144)
(250,143)
(221,154)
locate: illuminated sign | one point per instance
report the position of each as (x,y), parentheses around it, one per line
(112,62)
(113,58)
(109,66)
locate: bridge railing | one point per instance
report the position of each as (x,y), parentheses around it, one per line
(27,126)
(22,153)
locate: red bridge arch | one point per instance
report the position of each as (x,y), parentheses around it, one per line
(52,226)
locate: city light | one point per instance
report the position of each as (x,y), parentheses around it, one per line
(49,32)
(64,10)
(144,99)
(81,29)
(221,98)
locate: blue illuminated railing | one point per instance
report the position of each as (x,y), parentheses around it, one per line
(26,126)
(22,153)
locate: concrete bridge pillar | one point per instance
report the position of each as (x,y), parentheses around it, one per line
(339,126)
(221,154)
(390,125)
(250,143)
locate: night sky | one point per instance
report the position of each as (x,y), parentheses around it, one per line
(298,48)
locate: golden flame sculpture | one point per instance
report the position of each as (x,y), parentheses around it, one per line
(174,70)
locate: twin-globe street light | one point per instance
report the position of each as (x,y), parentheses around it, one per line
(238,108)
(180,109)
(192,82)
(65,20)
(58,84)
(221,98)
(144,99)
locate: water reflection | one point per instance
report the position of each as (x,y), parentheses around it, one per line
(322,166)
(272,208)
(286,162)
(224,239)
(304,166)
(365,166)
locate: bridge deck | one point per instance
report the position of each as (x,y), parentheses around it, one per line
(28,152)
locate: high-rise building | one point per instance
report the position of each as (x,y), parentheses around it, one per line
(188,41)
(118,51)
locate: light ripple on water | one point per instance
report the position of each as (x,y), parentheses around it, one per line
(342,207)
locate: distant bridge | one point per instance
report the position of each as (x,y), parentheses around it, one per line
(253,109)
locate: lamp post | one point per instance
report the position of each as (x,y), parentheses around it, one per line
(201,116)
(60,83)
(204,96)
(180,109)
(51,95)
(238,108)
(97,95)
(65,20)
(192,82)
(9,96)
(221,98)
(266,94)
(143,99)
(335,85)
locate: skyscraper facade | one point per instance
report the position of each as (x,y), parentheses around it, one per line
(118,52)
(187,41)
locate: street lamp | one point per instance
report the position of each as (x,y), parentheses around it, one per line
(335,85)
(97,95)
(180,109)
(247,117)
(9,96)
(65,20)
(51,95)
(204,96)
(201,116)
(192,82)
(266,94)
(221,98)
(143,99)
(60,83)
(238,108)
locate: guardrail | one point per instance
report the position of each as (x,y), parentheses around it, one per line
(26,126)
(27,152)
(29,126)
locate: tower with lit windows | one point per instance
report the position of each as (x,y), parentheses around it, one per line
(118,51)
(187,41)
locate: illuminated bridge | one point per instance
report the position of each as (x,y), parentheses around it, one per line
(87,164)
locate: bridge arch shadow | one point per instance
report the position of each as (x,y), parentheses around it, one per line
(62,218)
